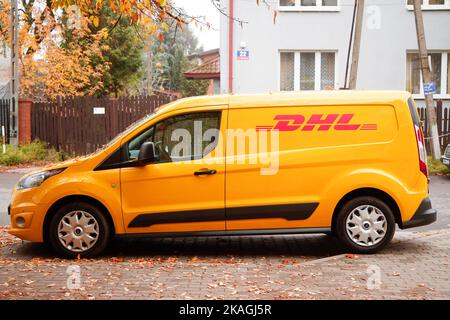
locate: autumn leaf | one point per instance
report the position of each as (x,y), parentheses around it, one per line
(95,21)
(165,27)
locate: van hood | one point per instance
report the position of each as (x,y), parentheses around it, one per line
(68,163)
(64,164)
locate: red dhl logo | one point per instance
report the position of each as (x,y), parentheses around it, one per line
(323,122)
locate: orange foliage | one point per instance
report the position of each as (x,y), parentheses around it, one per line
(64,71)
(151,15)
(48,69)
(5,7)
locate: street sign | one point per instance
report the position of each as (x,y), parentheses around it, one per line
(429,88)
(243,54)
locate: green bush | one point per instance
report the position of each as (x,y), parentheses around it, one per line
(34,152)
(436,167)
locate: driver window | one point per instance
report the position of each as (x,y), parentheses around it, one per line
(135,144)
(181,137)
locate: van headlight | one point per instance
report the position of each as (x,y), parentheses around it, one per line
(35,180)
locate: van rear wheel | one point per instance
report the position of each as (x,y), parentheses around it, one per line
(365,224)
(79,229)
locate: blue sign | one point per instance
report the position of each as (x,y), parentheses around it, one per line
(243,54)
(429,88)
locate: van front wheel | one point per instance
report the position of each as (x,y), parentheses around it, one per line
(365,224)
(79,229)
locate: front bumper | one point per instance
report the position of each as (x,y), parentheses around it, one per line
(31,219)
(424,215)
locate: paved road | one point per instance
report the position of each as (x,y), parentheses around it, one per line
(7,182)
(440,199)
(439,190)
(414,266)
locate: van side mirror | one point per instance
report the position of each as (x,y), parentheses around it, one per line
(146,153)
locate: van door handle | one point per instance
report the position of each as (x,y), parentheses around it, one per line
(204,172)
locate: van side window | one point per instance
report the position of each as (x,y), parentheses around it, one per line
(183,137)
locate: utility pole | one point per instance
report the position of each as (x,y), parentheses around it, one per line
(427,83)
(14,83)
(356,44)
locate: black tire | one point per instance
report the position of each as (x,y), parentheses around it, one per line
(104,231)
(346,210)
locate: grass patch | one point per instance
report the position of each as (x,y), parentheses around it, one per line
(33,153)
(437,167)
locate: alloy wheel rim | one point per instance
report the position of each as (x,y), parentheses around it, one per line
(366,225)
(78,231)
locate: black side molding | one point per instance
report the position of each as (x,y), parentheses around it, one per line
(149,219)
(221,233)
(300,211)
(424,215)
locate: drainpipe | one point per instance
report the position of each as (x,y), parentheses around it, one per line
(230,46)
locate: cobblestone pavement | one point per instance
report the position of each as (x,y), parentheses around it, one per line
(414,266)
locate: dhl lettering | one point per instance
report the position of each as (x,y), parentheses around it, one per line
(283,124)
(321,122)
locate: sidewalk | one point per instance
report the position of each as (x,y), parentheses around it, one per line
(414,266)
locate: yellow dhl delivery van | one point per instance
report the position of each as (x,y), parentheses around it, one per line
(347,163)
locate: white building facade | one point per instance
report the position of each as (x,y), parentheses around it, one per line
(304,46)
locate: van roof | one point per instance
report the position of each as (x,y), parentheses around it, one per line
(331,97)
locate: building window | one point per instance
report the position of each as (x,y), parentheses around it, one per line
(287,71)
(430,4)
(413,73)
(440,70)
(307,71)
(327,71)
(309,5)
(287,3)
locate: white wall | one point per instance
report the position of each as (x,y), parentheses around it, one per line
(388,32)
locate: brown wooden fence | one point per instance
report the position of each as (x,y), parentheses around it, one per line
(80,125)
(443,122)
(70,125)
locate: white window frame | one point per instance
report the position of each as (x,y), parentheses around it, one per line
(427,6)
(318,7)
(444,63)
(318,67)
